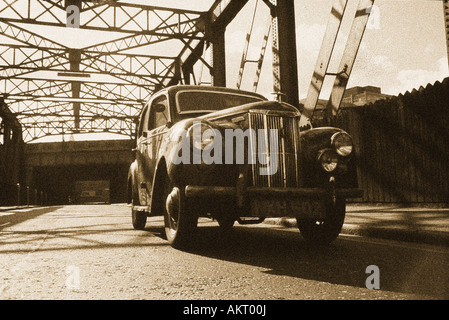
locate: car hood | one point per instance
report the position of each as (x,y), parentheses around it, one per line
(235,117)
(243,109)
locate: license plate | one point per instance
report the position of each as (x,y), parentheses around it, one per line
(287,208)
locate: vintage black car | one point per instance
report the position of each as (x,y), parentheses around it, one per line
(233,155)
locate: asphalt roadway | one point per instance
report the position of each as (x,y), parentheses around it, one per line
(91,252)
(422,224)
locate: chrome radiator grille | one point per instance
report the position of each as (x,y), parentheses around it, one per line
(283,148)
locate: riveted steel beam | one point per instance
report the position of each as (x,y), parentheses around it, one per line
(446,24)
(348,60)
(105,16)
(285,65)
(45,81)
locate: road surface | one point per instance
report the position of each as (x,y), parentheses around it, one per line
(92,252)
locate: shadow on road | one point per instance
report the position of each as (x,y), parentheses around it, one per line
(282,252)
(16,216)
(276,250)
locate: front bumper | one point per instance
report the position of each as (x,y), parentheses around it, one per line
(269,202)
(234,192)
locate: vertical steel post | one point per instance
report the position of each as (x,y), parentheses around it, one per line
(75,59)
(446,24)
(285,62)
(218,55)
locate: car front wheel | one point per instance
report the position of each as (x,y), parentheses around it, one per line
(179,219)
(139,217)
(323,232)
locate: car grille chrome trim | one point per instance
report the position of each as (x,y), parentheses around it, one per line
(286,145)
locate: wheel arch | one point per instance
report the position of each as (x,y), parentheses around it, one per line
(160,176)
(131,181)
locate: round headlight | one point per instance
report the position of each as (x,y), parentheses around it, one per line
(328,159)
(202,135)
(342,142)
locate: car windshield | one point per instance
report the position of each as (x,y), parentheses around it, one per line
(210,101)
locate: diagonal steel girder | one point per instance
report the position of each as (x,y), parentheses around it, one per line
(146,70)
(64,93)
(29,65)
(221,13)
(18,61)
(89,124)
(41,54)
(20,87)
(62,109)
(106,16)
(26,57)
(166,24)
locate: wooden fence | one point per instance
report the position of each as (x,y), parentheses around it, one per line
(402,146)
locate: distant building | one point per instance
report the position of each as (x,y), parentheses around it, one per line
(356,96)
(359,96)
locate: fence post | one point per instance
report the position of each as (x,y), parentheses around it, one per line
(18,194)
(28,196)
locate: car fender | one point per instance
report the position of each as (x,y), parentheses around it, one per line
(132,180)
(160,174)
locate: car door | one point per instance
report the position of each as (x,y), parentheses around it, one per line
(158,117)
(141,149)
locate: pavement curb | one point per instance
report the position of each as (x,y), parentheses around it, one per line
(12,208)
(418,236)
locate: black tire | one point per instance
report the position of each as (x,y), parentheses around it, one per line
(139,218)
(179,219)
(225,223)
(327,230)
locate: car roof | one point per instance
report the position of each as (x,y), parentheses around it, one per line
(176,88)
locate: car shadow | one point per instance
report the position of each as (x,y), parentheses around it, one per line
(281,251)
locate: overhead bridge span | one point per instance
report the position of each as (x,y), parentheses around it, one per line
(77,171)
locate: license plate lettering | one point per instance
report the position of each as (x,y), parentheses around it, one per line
(287,208)
(308,209)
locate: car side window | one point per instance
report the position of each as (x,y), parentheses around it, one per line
(143,124)
(158,115)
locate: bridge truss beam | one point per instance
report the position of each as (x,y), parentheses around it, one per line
(106,15)
(55,88)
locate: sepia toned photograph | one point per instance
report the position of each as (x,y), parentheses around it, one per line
(224,158)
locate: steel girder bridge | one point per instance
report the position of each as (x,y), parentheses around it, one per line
(54,88)
(57,87)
